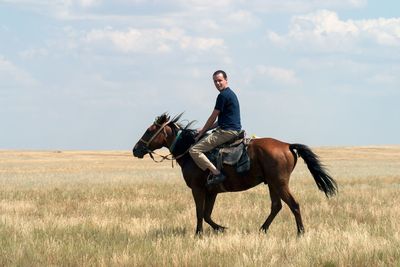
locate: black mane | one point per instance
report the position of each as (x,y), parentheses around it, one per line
(163,118)
(185,139)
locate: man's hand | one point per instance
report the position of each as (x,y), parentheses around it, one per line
(210,124)
(200,133)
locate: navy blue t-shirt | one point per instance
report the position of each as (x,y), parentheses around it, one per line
(229,115)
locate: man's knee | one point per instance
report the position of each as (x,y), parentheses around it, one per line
(192,152)
(195,153)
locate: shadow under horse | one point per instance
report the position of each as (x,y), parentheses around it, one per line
(272,163)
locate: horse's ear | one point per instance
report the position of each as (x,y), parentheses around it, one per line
(177,118)
(162,119)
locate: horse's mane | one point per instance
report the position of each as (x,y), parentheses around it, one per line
(184,141)
(187,135)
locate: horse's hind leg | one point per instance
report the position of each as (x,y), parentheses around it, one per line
(209,205)
(288,198)
(276,206)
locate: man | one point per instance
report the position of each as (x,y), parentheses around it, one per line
(228,126)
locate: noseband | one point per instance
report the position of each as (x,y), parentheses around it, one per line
(162,128)
(148,142)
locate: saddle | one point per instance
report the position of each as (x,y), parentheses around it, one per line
(233,152)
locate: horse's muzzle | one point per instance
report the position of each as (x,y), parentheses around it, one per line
(137,154)
(138,151)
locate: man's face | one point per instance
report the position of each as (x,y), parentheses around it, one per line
(220,82)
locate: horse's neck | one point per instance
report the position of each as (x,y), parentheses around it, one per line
(171,139)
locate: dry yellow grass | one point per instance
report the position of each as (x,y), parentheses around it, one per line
(80,208)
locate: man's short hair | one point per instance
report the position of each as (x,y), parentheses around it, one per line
(220,72)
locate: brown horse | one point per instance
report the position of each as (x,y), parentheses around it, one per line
(272,162)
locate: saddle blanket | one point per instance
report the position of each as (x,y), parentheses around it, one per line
(234,154)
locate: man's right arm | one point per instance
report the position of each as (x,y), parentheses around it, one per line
(210,124)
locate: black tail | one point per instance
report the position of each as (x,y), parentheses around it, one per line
(324,181)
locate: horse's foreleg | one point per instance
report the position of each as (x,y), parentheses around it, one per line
(199,199)
(276,206)
(209,205)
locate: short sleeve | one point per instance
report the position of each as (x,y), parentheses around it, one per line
(219,105)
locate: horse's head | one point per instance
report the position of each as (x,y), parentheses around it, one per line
(154,137)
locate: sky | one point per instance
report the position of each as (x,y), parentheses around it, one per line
(94,74)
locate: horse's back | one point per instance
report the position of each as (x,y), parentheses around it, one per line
(269,145)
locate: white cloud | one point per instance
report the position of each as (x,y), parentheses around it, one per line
(89,3)
(128,10)
(333,65)
(207,25)
(241,19)
(280,75)
(200,44)
(203,4)
(325,31)
(383,31)
(33,53)
(11,75)
(152,40)
(384,79)
(296,6)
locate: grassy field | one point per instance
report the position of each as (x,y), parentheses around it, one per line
(106,208)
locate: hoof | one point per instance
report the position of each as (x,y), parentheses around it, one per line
(220,229)
(300,233)
(198,233)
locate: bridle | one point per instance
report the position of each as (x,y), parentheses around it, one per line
(172,146)
(162,128)
(169,156)
(148,142)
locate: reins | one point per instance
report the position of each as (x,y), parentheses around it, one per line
(162,156)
